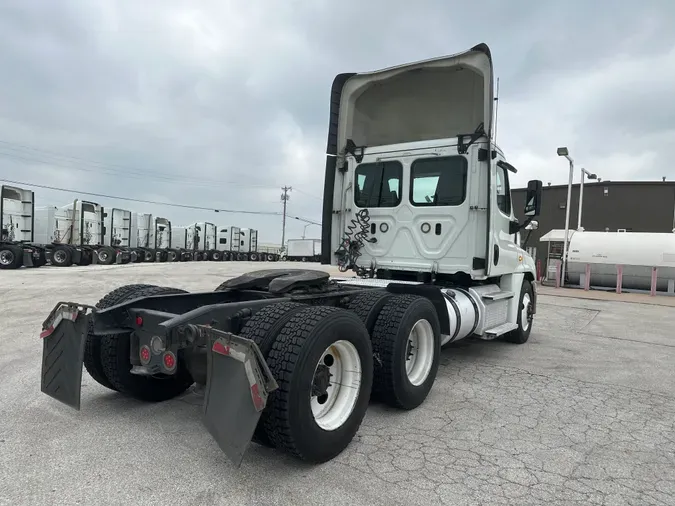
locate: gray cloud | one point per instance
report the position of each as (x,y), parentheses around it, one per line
(206,93)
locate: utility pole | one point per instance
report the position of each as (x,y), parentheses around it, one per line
(284,199)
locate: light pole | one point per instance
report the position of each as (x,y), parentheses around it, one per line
(304,230)
(565,152)
(581,193)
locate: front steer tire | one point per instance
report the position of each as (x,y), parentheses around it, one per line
(293,359)
(115,351)
(522,333)
(390,337)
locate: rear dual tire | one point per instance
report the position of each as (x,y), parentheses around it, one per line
(307,347)
(11,257)
(106,357)
(306,418)
(406,339)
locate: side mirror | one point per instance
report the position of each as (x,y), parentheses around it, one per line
(533,198)
(533,225)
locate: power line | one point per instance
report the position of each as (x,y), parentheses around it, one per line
(170,204)
(165,178)
(113,168)
(307,194)
(130,199)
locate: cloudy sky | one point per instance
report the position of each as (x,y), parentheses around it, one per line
(219,103)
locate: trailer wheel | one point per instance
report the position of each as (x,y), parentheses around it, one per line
(62,256)
(106,255)
(368,305)
(406,347)
(11,257)
(92,345)
(115,351)
(262,329)
(524,321)
(322,360)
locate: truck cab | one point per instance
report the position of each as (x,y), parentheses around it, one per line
(415,185)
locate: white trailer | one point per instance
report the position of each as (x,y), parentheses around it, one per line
(17,231)
(303,250)
(75,234)
(248,244)
(269,253)
(228,242)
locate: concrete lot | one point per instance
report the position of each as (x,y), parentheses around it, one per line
(582,414)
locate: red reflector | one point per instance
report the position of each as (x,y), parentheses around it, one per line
(219,347)
(139,321)
(257,400)
(46,333)
(169,360)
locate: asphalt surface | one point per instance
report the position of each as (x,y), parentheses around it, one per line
(584,413)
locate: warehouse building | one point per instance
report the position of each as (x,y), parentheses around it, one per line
(631,206)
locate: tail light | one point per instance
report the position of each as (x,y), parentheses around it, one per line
(144,354)
(169,360)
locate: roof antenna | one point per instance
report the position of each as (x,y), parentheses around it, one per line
(496,99)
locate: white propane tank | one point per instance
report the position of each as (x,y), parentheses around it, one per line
(638,252)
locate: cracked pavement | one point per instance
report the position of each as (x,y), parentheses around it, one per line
(584,413)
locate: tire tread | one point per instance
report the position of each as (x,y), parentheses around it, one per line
(142,387)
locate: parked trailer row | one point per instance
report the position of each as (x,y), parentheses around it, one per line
(84,232)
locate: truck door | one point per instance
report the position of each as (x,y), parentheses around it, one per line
(503,253)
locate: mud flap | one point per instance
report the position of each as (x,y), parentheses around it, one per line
(238,385)
(63,337)
(28,257)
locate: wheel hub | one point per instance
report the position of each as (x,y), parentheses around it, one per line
(321,381)
(335,385)
(420,352)
(6,257)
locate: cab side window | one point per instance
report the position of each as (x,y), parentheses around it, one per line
(503,191)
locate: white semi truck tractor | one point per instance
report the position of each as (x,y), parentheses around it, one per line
(417,208)
(228,242)
(17,230)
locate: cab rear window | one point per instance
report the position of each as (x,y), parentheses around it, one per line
(378,184)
